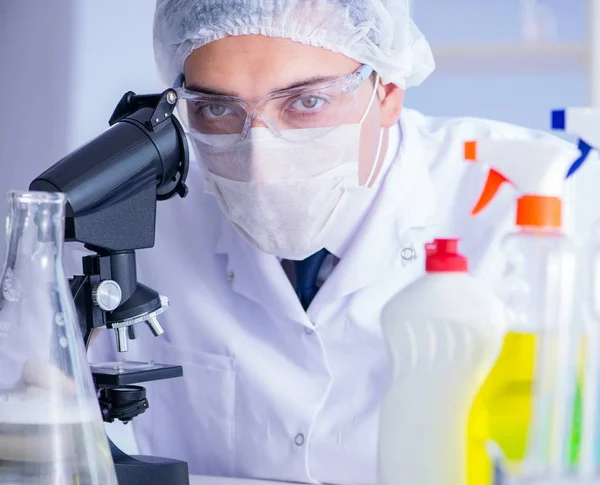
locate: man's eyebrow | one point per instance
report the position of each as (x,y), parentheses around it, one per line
(204,90)
(298,84)
(308,82)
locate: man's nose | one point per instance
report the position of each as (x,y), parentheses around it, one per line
(261,119)
(260,123)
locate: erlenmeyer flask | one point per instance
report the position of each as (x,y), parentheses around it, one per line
(51,430)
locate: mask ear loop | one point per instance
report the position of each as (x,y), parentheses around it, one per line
(370,100)
(376,162)
(380,142)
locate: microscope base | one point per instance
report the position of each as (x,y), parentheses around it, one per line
(150,470)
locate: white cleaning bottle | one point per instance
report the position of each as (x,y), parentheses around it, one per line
(585,124)
(444,332)
(538,288)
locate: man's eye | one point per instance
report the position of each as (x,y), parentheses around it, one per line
(308,103)
(215,110)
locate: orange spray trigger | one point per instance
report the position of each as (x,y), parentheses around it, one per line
(471,151)
(492,185)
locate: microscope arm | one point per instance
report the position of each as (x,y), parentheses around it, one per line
(81,291)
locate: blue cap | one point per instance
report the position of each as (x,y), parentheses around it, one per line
(558,119)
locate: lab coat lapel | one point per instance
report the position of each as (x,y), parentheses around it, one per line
(253,274)
(401,219)
(258,276)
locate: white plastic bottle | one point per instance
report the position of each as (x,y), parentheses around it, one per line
(444,333)
(585,123)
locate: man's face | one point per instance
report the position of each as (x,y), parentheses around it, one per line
(254,66)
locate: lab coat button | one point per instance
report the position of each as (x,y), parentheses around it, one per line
(299,439)
(230,275)
(408,254)
(308,331)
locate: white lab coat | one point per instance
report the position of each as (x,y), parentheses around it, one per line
(271,391)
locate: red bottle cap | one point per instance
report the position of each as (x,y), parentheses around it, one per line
(443,257)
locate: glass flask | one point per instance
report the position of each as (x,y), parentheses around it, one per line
(51,429)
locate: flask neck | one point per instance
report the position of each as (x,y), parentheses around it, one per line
(35,229)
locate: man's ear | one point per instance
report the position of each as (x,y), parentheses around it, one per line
(391,99)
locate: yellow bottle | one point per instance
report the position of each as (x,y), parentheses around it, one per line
(501,411)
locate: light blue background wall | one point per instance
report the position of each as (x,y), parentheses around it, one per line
(518,98)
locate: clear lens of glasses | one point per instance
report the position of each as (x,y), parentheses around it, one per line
(292,115)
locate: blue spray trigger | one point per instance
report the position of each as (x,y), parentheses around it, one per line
(558,119)
(585,150)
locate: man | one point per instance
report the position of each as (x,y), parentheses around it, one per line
(311,198)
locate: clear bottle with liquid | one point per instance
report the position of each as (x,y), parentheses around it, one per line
(540,283)
(587,466)
(529,396)
(583,122)
(51,429)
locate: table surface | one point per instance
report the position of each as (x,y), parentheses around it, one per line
(196,480)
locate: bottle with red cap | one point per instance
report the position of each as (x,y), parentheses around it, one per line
(444,332)
(530,393)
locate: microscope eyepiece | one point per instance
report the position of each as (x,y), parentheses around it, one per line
(115,179)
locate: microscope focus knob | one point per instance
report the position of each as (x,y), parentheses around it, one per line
(107,295)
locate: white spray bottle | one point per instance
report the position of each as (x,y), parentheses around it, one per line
(538,289)
(444,332)
(585,124)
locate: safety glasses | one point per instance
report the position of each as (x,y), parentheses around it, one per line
(297,114)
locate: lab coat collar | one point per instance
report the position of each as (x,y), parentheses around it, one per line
(361,199)
(398,223)
(405,202)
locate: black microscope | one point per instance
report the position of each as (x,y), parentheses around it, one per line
(112,185)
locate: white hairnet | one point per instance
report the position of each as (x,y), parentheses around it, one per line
(379,33)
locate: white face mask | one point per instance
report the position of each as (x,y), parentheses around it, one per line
(284,197)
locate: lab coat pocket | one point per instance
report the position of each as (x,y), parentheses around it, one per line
(194,415)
